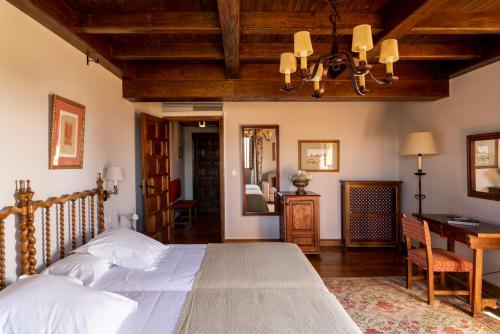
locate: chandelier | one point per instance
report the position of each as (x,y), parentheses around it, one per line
(354,61)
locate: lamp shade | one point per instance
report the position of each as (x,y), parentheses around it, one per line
(389,51)
(362,38)
(302,45)
(419,143)
(288,63)
(113,173)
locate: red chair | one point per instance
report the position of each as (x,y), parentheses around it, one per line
(432,259)
(177,205)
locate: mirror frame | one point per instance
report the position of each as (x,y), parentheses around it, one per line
(242,162)
(471,179)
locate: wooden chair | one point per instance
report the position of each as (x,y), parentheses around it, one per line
(432,260)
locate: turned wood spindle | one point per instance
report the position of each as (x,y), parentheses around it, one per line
(84,218)
(92,217)
(100,204)
(73,224)
(61,231)
(30,217)
(48,259)
(23,229)
(2,254)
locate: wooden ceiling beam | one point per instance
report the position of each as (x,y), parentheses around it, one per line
(254,23)
(266,71)
(258,90)
(270,52)
(151,23)
(58,17)
(401,16)
(490,56)
(453,23)
(317,23)
(174,51)
(229,16)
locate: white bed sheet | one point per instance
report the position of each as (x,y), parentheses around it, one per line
(176,271)
(157,312)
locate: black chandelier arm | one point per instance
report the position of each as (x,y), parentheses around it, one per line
(380,82)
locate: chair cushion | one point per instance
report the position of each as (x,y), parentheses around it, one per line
(184,204)
(443,261)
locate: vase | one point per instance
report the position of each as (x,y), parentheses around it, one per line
(300,184)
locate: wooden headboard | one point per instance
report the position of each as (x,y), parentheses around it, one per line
(24,210)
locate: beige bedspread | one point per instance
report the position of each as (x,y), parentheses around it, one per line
(256,265)
(264,311)
(260,288)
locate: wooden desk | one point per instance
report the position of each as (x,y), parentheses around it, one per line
(486,236)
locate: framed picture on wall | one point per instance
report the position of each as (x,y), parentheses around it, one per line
(319,155)
(67,125)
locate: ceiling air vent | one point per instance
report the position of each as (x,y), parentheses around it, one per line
(169,107)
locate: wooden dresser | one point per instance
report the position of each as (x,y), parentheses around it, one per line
(299,219)
(371,213)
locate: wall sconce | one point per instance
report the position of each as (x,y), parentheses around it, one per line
(112,174)
(202,124)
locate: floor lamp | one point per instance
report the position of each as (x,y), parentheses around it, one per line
(419,144)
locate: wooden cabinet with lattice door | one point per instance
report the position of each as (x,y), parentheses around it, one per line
(371,213)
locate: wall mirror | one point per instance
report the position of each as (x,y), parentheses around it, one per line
(260,168)
(484,165)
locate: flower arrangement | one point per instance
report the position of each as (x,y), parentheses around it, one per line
(300,180)
(300,176)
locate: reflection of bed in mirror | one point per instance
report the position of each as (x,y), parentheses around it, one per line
(255,199)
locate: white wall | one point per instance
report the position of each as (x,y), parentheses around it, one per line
(473,107)
(176,142)
(33,64)
(368,134)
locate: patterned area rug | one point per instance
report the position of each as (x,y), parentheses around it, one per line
(384,305)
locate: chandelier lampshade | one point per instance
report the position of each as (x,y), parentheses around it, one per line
(288,64)
(302,47)
(362,40)
(389,54)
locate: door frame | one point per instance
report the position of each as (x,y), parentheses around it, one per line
(219,119)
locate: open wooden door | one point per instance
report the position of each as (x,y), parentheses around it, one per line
(155,177)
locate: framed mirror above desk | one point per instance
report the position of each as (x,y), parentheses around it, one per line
(483,170)
(260,168)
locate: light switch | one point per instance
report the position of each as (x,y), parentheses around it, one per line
(233,173)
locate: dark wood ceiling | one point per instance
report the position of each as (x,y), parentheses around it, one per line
(166,50)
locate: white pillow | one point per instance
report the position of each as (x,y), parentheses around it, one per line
(85,267)
(125,248)
(56,304)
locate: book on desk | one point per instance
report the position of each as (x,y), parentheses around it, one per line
(463,221)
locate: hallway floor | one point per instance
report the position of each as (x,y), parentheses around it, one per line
(205,229)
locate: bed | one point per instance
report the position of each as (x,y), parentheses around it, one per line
(214,288)
(255,201)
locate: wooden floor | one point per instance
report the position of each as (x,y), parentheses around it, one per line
(205,229)
(338,262)
(332,262)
